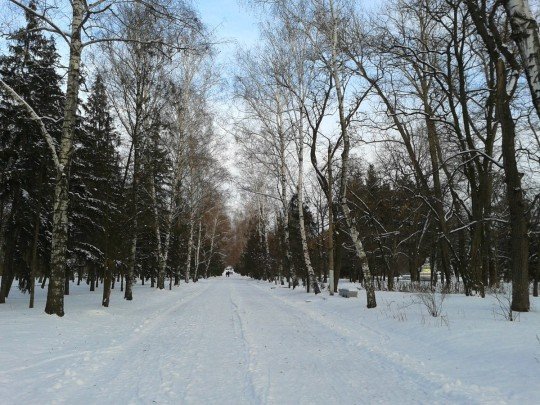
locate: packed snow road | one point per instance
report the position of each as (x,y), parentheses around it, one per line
(222,341)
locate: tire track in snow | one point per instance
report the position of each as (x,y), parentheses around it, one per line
(118,360)
(195,369)
(287,345)
(350,357)
(217,364)
(447,385)
(249,385)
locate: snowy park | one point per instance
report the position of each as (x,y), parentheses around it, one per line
(269,202)
(240,341)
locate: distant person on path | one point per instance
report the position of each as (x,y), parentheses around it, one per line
(228,273)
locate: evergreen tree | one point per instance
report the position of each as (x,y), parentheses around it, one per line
(95,191)
(155,179)
(294,225)
(252,260)
(29,68)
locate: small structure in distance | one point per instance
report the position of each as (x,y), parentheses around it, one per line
(229,271)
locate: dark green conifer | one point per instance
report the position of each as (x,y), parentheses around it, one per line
(29,67)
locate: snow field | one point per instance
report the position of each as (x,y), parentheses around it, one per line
(239,341)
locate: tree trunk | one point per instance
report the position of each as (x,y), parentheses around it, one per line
(161,250)
(360,252)
(525,34)
(92,277)
(330,202)
(190,248)
(34,261)
(197,254)
(339,239)
(109,265)
(55,293)
(289,266)
(66,283)
(37,223)
(207,265)
(514,195)
(132,261)
(7,280)
(300,192)
(536,273)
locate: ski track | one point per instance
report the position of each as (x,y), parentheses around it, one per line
(456,390)
(330,360)
(224,341)
(249,386)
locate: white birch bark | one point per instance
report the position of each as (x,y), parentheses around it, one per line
(172,211)
(161,248)
(55,293)
(284,196)
(187,272)
(525,34)
(198,253)
(330,223)
(360,251)
(300,193)
(211,253)
(35,117)
(164,252)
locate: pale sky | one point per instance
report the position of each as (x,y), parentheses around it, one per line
(233,25)
(231,21)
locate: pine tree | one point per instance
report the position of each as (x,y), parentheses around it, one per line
(95,192)
(25,165)
(252,260)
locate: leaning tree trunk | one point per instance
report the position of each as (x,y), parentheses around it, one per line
(55,293)
(360,252)
(525,34)
(514,195)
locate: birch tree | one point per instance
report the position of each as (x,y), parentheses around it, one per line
(139,83)
(526,36)
(84,28)
(186,105)
(265,132)
(299,77)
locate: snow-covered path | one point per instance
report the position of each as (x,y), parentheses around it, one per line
(222,341)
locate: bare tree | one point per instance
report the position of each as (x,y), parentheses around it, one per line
(86,28)
(265,104)
(507,71)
